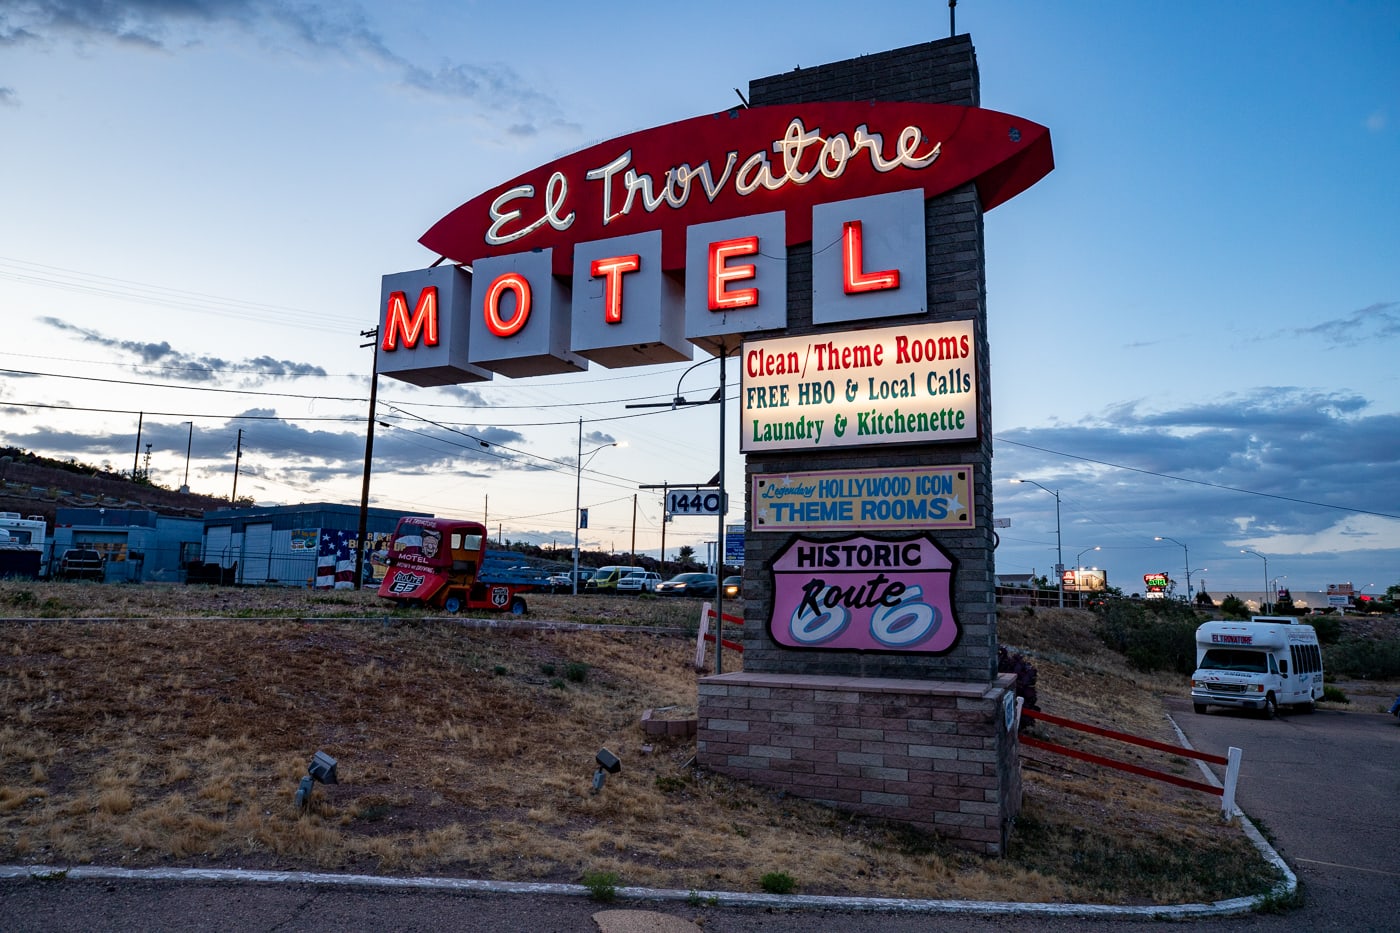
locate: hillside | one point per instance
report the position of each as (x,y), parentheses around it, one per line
(469,752)
(32,485)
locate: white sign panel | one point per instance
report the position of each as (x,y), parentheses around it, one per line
(892,385)
(694,502)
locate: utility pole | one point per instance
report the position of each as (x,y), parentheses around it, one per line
(189,445)
(373,336)
(136,457)
(633,555)
(238,458)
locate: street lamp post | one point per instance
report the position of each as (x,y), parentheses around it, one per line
(578,492)
(1059,557)
(1079,573)
(1267,606)
(1187,555)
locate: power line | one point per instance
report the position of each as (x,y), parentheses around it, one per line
(1196,482)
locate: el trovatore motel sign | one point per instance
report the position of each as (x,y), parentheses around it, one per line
(636,250)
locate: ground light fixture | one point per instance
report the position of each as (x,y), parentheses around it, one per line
(321,770)
(608,763)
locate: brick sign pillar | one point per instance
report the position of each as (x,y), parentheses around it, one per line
(924,738)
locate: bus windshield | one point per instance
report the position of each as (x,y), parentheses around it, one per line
(1235,659)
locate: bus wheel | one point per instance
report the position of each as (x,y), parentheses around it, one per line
(1270,709)
(452,604)
(517,607)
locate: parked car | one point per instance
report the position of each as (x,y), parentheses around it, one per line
(561,583)
(733,587)
(605,579)
(688,584)
(638,581)
(81,564)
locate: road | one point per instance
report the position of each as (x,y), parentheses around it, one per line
(1323,787)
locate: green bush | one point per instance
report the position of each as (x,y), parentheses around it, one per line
(601,885)
(1363,658)
(1328,628)
(778,882)
(576,672)
(1153,636)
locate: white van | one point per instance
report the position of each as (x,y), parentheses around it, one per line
(1259,665)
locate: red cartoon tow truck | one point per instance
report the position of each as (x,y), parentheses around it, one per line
(444,563)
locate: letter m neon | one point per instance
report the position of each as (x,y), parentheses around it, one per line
(423,322)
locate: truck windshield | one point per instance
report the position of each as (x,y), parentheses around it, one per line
(1235,659)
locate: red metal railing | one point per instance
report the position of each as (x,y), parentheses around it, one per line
(1231,762)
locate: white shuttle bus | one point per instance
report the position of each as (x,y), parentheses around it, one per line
(1262,664)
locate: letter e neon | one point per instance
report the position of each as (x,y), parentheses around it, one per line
(721,274)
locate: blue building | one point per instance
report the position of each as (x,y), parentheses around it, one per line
(309,545)
(138,545)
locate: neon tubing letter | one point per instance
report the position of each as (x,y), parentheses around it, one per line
(491,305)
(422,322)
(611,271)
(721,274)
(852,258)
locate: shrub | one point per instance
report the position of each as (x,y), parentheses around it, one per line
(777,882)
(576,672)
(1328,628)
(1153,636)
(1011,662)
(601,885)
(1232,607)
(1363,658)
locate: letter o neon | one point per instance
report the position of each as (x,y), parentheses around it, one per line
(491,306)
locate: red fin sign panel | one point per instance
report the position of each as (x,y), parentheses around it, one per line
(742,162)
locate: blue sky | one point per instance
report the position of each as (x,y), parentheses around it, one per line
(1193,319)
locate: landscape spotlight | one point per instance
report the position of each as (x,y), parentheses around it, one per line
(608,763)
(322,768)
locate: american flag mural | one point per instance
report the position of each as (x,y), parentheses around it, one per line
(335,561)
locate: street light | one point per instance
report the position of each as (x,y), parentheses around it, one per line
(1079,573)
(578,492)
(1059,558)
(1265,595)
(1187,554)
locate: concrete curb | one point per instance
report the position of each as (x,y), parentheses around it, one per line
(48,873)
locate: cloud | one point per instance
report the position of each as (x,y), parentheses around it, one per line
(174,363)
(331,29)
(1377,121)
(1309,478)
(1373,322)
(8,98)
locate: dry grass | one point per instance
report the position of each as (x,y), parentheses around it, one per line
(470,752)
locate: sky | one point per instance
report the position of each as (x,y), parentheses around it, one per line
(1193,318)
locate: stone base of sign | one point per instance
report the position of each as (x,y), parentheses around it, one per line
(940,756)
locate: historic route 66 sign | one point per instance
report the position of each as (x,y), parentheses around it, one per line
(864,594)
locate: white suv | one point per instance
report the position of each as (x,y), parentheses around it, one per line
(638,581)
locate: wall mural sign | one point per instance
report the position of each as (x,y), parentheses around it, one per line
(930,497)
(892,385)
(864,594)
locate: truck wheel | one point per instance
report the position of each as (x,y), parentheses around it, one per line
(452,604)
(517,607)
(1270,709)
(1199,707)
